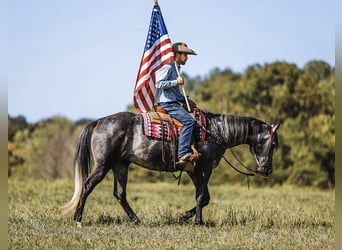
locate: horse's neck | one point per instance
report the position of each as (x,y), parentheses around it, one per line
(233,130)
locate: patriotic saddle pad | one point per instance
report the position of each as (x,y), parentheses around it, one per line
(162,126)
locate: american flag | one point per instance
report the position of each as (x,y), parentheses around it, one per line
(157,52)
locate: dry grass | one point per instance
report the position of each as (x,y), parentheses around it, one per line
(236,218)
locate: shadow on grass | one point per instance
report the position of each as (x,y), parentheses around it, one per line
(108,220)
(164,220)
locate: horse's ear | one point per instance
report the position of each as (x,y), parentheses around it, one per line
(275,127)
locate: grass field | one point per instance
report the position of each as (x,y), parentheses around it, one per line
(236,218)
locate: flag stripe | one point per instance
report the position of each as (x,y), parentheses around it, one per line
(152,62)
(158,51)
(161,44)
(161,48)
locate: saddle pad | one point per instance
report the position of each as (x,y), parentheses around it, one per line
(153,127)
(158,130)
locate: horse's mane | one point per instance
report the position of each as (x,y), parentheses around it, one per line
(235,128)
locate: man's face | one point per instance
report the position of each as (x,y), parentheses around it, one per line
(181,58)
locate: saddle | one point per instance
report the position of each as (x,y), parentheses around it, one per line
(161,125)
(161,116)
(166,117)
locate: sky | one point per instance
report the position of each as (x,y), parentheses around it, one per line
(79,59)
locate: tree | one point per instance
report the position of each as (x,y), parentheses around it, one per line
(16,124)
(48,150)
(301,99)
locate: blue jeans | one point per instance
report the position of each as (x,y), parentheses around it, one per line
(185,137)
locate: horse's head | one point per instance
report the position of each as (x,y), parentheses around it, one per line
(262,148)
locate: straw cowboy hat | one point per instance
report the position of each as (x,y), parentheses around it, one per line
(182,48)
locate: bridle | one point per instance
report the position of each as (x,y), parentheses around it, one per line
(217,139)
(270,146)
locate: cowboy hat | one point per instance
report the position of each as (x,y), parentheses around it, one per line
(182,48)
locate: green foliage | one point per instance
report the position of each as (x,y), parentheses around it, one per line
(46,151)
(301,99)
(236,218)
(14,152)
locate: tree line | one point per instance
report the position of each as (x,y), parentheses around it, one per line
(301,99)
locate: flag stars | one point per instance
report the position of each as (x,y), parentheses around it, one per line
(154,33)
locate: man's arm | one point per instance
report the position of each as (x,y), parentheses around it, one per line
(162,76)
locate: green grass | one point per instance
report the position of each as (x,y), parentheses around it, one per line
(236,218)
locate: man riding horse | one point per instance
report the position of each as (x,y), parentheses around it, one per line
(169,97)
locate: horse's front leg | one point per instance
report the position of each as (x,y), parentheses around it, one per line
(200,180)
(200,203)
(202,199)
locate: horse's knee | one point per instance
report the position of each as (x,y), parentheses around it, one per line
(116,195)
(119,195)
(208,198)
(204,200)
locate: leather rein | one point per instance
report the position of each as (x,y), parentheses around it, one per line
(252,172)
(218,140)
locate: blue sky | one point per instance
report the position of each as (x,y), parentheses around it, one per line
(79,59)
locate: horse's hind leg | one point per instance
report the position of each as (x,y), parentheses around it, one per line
(93,179)
(120,183)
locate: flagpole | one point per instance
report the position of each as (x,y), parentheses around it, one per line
(183,89)
(182,86)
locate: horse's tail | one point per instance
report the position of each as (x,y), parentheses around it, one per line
(82,166)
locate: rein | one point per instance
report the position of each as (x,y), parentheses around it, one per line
(253,172)
(239,171)
(215,138)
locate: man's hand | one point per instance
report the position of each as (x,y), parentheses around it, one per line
(180,80)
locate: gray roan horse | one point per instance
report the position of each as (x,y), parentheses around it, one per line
(115,141)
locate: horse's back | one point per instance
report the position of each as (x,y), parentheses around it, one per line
(118,117)
(114,130)
(117,121)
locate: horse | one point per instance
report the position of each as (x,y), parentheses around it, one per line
(115,141)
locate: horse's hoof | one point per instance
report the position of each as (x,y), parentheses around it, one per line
(135,220)
(79,224)
(200,223)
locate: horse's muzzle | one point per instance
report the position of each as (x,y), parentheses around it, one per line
(265,171)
